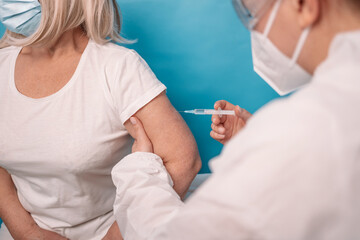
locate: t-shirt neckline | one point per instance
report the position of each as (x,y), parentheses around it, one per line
(59,92)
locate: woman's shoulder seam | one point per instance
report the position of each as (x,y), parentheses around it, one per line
(114,48)
(8,50)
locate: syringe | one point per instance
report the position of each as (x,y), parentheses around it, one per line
(210,112)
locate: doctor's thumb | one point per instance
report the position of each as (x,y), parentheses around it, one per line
(139,131)
(242,113)
(142,142)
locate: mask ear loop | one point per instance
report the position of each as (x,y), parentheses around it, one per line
(300,45)
(272,17)
(302,39)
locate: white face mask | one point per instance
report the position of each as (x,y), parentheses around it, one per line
(283,74)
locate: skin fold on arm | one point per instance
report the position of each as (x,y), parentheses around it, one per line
(172,141)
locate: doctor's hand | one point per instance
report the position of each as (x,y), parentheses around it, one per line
(142,142)
(225,127)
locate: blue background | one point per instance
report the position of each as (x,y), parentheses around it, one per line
(201,52)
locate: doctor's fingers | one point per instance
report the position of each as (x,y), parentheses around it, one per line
(221,105)
(220,129)
(224,105)
(216,119)
(217,136)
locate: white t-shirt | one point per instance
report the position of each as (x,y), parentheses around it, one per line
(60,149)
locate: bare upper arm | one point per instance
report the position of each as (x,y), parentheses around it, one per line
(172,140)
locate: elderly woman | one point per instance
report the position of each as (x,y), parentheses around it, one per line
(67,93)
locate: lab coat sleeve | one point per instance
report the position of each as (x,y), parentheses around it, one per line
(143,184)
(147,207)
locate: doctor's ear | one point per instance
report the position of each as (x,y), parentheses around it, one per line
(308,12)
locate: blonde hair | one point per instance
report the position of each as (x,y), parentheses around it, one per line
(100,20)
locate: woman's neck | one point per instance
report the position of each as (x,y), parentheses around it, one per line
(72,40)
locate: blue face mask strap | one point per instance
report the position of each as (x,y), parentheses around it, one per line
(272,17)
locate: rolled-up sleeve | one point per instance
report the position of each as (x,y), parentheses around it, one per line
(136,85)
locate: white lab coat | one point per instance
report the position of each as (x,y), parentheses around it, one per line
(292,173)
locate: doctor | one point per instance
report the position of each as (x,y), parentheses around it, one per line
(291,171)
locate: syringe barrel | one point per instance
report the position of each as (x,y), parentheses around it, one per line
(213,112)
